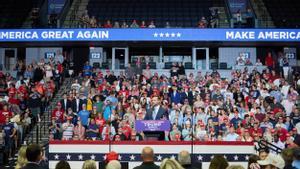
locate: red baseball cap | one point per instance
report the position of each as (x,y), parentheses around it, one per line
(112,156)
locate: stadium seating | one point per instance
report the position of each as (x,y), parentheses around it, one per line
(13,12)
(285,14)
(181,13)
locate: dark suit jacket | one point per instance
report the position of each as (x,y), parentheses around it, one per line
(32,166)
(188,96)
(65,107)
(147,165)
(74,104)
(160,113)
(175,98)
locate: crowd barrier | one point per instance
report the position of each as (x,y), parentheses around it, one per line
(76,152)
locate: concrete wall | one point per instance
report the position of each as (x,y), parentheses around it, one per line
(229,55)
(38,53)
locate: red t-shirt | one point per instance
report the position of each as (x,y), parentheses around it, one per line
(100,123)
(269,61)
(12,91)
(126,131)
(4,114)
(59,114)
(253,131)
(282,134)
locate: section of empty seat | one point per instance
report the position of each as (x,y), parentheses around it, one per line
(285,13)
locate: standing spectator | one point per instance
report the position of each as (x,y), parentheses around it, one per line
(269,62)
(58,113)
(184,158)
(129,72)
(83,116)
(34,104)
(143,25)
(181,70)
(34,156)
(239,19)
(218,162)
(148,159)
(67,129)
(22,160)
(10,132)
(116,25)
(79,131)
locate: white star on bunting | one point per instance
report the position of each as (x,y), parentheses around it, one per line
(173,35)
(68,157)
(225,156)
(80,157)
(246,157)
(159,157)
(167,35)
(56,157)
(178,34)
(236,157)
(172,157)
(211,157)
(104,157)
(200,157)
(93,157)
(132,157)
(120,157)
(161,35)
(155,34)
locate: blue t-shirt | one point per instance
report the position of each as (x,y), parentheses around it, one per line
(84,116)
(87,70)
(8,130)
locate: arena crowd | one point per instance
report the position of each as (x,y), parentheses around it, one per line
(23,99)
(248,107)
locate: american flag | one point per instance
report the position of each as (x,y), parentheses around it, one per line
(76,152)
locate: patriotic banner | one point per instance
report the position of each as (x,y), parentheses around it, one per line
(152,125)
(76,152)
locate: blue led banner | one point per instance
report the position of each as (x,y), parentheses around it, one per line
(235,35)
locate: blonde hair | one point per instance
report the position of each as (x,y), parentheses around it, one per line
(22,160)
(170,164)
(89,164)
(114,164)
(235,167)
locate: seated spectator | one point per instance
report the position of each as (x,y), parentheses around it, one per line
(67,129)
(108,24)
(202,23)
(92,132)
(116,24)
(79,131)
(93,22)
(124,25)
(167,25)
(231,136)
(134,24)
(151,25)
(258,63)
(143,24)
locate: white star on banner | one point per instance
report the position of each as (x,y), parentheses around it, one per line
(200,157)
(225,156)
(104,157)
(155,34)
(159,157)
(93,157)
(211,157)
(56,157)
(161,35)
(236,157)
(173,35)
(178,34)
(120,157)
(172,157)
(68,157)
(132,157)
(80,157)
(246,157)
(167,35)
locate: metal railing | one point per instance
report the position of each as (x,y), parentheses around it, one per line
(62,16)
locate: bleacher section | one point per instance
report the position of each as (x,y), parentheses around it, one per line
(179,13)
(14,12)
(285,13)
